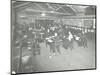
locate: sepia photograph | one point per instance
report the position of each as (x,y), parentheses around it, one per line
(52,37)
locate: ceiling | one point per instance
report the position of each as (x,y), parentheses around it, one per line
(52,9)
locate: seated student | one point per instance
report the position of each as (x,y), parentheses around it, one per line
(78,40)
(57,42)
(52,47)
(58,48)
(51,43)
(24,43)
(65,43)
(36,48)
(82,41)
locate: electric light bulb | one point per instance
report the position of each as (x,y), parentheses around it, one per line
(43,14)
(29,47)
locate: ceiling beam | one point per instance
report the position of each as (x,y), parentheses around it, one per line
(59,8)
(72,8)
(38,6)
(23,4)
(31,10)
(50,7)
(63,18)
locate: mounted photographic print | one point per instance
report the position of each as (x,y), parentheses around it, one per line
(52,37)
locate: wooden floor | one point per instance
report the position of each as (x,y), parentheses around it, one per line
(78,58)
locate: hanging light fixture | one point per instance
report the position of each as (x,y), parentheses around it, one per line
(43,14)
(52,11)
(29,48)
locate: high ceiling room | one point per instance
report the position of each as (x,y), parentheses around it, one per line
(52,36)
